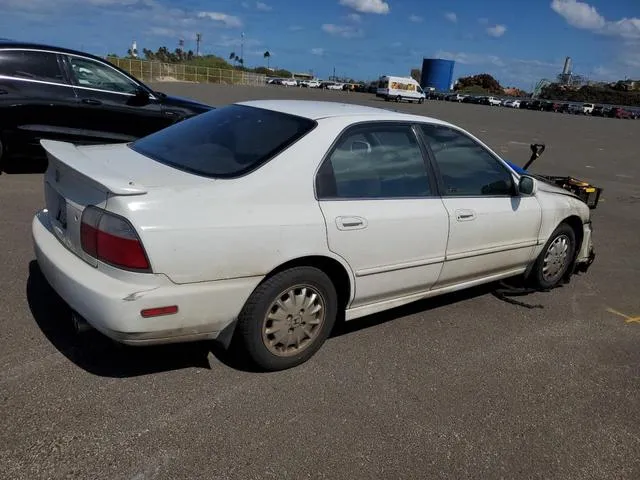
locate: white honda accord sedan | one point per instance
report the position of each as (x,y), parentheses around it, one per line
(266,220)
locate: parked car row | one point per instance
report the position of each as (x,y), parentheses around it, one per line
(323,84)
(541,105)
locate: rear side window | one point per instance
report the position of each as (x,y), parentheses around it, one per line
(30,64)
(225,142)
(374,161)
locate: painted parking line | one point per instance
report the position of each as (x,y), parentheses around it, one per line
(627,318)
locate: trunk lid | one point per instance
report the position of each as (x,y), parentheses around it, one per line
(78,176)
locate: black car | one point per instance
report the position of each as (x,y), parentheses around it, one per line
(56,93)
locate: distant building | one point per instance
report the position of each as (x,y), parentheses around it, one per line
(437,73)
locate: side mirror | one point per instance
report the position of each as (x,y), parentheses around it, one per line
(527,185)
(140,98)
(141,93)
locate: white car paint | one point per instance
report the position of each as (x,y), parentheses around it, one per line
(289,82)
(210,242)
(494,102)
(335,86)
(512,103)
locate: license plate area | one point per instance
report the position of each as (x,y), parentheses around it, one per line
(61,211)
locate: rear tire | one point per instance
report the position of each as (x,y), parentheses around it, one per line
(398,98)
(287,318)
(555,259)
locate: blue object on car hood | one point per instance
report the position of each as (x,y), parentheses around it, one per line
(518,169)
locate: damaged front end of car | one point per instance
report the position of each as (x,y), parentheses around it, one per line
(588,193)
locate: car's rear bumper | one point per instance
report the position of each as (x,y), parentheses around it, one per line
(112,305)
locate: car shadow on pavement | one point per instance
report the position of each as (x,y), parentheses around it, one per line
(101,356)
(96,353)
(343,327)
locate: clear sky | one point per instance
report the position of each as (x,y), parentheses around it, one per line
(517,41)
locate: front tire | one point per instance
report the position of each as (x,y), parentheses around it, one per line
(555,259)
(288,318)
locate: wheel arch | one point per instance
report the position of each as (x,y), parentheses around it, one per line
(576,225)
(339,274)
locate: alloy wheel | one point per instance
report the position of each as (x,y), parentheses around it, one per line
(555,259)
(293,321)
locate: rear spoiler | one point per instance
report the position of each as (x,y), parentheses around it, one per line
(97,173)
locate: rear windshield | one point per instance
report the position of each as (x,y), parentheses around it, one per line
(225,142)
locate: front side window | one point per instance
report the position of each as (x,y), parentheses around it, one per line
(374,161)
(92,74)
(225,142)
(31,64)
(466,167)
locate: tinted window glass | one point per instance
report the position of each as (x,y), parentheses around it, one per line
(381,161)
(224,142)
(466,168)
(30,64)
(91,74)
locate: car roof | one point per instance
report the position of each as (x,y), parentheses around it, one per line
(7,43)
(315,110)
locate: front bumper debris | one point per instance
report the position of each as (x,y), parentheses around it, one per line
(583,267)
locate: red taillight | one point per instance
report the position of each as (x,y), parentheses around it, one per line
(112,239)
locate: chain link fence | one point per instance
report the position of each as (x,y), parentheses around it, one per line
(151,71)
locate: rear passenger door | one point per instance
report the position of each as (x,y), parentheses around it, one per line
(36,99)
(377,195)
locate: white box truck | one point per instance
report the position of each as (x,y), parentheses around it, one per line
(399,89)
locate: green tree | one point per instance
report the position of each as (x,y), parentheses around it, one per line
(416,73)
(267,55)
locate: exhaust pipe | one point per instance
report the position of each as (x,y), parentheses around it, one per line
(80,325)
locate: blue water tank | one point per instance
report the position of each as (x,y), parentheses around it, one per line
(437,73)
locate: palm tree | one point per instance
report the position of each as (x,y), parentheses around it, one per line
(267,55)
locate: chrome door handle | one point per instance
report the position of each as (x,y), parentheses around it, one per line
(350,223)
(465,215)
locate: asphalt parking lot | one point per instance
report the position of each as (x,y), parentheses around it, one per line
(462,386)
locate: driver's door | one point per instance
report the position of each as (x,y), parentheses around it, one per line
(109,103)
(492,230)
